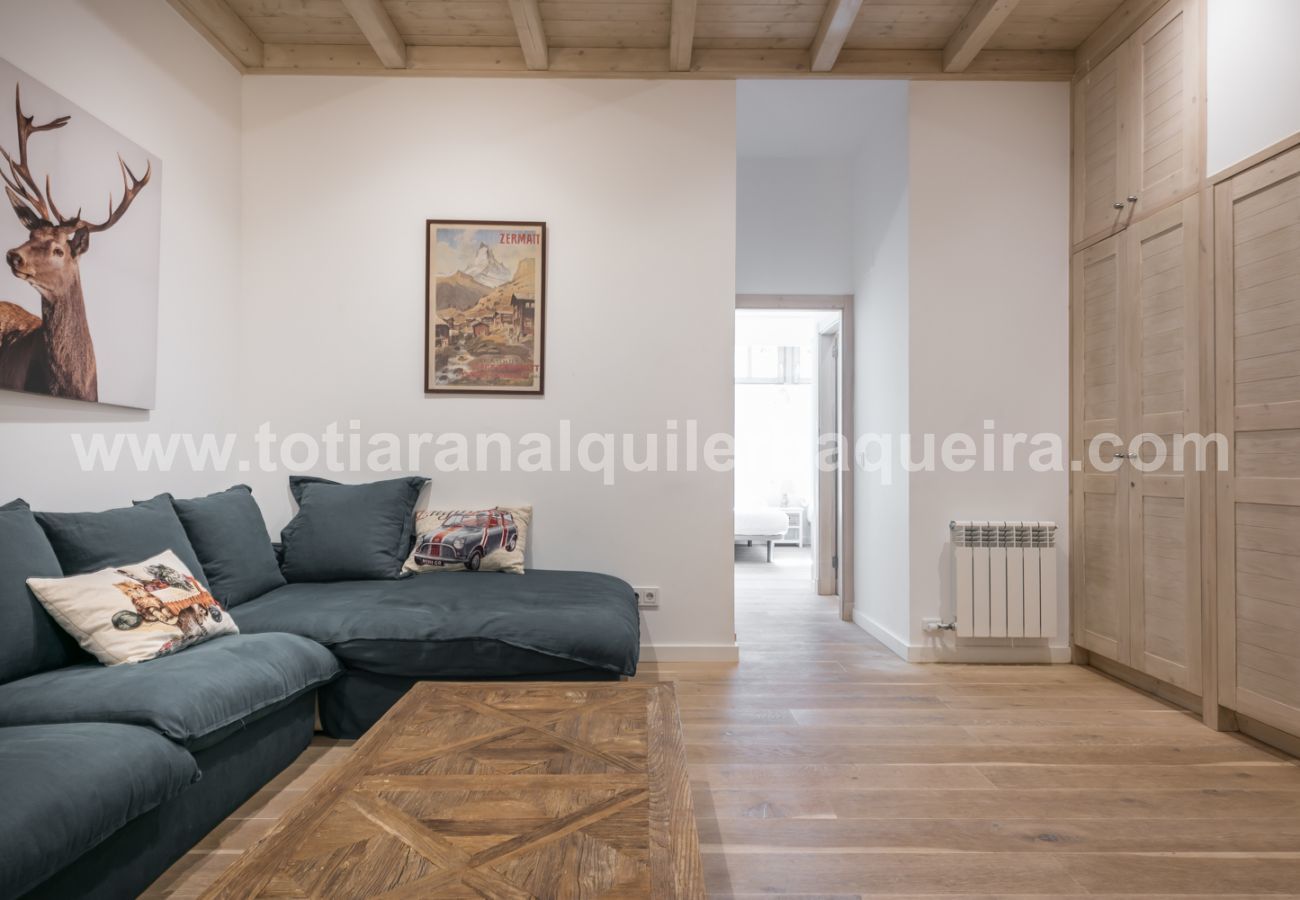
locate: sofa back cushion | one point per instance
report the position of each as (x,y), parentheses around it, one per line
(88,542)
(30,641)
(349,532)
(231,541)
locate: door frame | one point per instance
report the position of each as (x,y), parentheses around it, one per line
(826,547)
(843,304)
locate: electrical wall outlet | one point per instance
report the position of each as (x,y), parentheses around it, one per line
(647,597)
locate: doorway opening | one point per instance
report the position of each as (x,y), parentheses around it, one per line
(793,515)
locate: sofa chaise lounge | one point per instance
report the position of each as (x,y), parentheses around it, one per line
(542,625)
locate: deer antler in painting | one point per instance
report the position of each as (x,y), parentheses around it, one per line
(19,183)
(131,186)
(23,188)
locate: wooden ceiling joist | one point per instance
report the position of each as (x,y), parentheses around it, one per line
(532,37)
(980,24)
(375,23)
(224,29)
(611,62)
(1036,40)
(833,32)
(681,39)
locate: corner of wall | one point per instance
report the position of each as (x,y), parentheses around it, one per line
(882,380)
(988,288)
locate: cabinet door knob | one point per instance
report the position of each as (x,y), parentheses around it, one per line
(1133,198)
(1119,204)
(1121,456)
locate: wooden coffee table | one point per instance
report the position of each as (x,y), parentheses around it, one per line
(495,790)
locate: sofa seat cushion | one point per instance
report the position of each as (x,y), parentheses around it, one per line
(68,787)
(441,626)
(195,698)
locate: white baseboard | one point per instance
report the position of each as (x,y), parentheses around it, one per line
(880,633)
(996,653)
(944,649)
(719,653)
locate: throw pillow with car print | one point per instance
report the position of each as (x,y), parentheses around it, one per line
(135,613)
(473,539)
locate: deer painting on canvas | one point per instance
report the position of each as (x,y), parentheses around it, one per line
(49,346)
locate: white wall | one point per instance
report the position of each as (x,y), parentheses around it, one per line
(794,226)
(956,200)
(1253,73)
(636,181)
(989,317)
(143,71)
(882,367)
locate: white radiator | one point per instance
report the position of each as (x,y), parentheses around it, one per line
(1005,579)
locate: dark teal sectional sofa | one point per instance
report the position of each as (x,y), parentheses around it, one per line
(108,775)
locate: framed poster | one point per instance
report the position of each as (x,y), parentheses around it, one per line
(485,303)
(80,223)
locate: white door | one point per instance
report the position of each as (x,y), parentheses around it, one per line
(828,478)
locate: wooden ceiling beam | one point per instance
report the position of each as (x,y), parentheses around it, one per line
(532,37)
(980,24)
(377,25)
(224,29)
(832,33)
(682,36)
(694,40)
(612,62)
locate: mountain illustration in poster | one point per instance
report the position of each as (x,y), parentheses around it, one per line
(79,235)
(486,284)
(486,268)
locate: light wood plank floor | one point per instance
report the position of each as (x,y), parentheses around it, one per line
(824,767)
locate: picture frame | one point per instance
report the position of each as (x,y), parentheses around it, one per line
(79,284)
(485,307)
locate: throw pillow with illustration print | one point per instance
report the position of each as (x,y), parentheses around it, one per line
(487,539)
(129,614)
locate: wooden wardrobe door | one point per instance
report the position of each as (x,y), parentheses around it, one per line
(1100,514)
(1161,324)
(1101,162)
(1257,320)
(1164,96)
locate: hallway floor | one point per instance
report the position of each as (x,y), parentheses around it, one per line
(825,766)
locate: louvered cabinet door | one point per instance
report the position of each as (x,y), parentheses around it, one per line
(1100,516)
(1164,100)
(1161,316)
(1257,320)
(1102,160)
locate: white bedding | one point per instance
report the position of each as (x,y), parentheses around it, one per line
(763,521)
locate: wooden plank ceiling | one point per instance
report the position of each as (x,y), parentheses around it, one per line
(1023,39)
